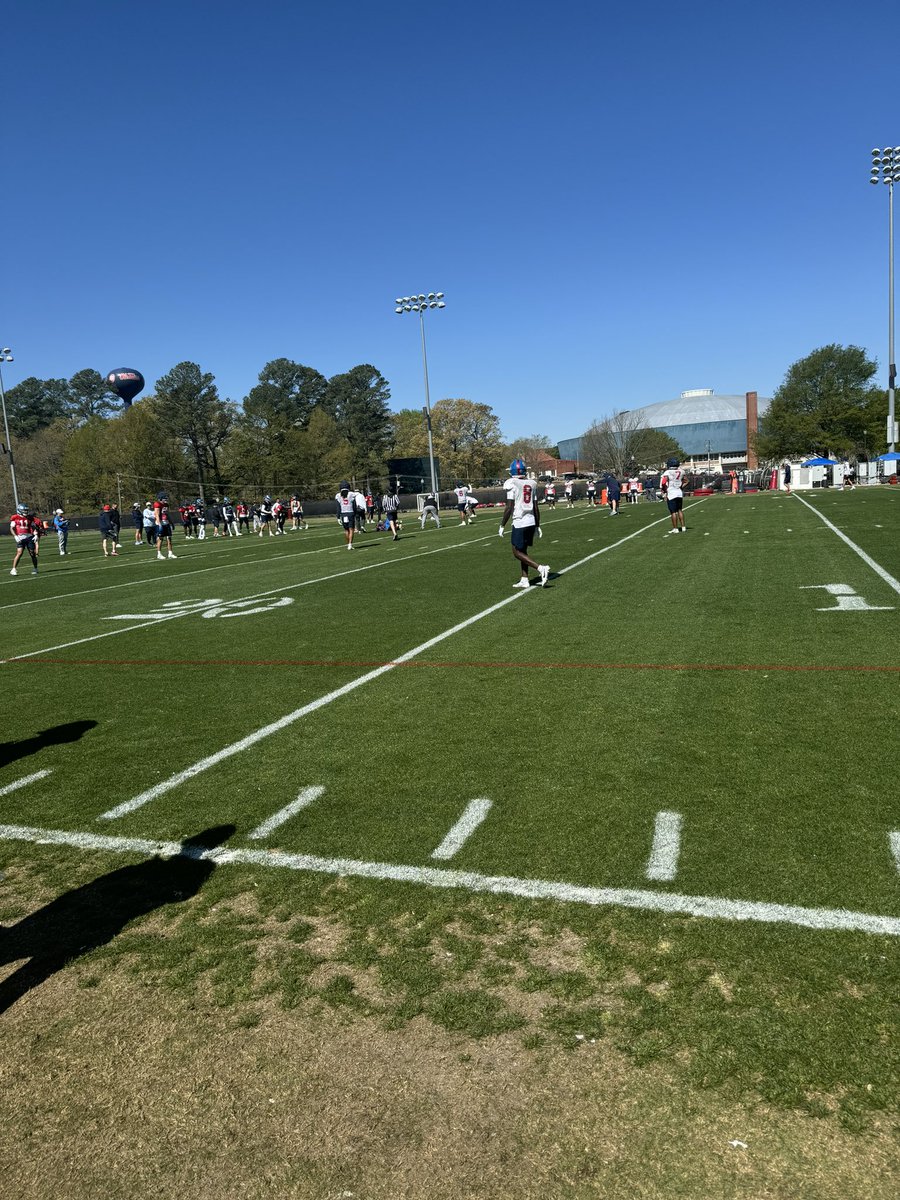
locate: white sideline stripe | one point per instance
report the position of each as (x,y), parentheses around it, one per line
(473,814)
(895,847)
(23,782)
(306,797)
(251,739)
(867,559)
(663,861)
(443,877)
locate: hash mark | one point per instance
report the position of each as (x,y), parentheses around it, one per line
(663,861)
(306,797)
(473,814)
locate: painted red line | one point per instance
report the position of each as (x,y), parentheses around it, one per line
(503,666)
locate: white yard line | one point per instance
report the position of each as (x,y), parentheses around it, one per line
(23,782)
(867,559)
(306,797)
(252,739)
(473,814)
(663,861)
(895,847)
(441,877)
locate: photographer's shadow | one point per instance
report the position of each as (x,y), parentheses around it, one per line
(90,916)
(58,735)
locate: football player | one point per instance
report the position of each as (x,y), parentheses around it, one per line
(522,506)
(21,526)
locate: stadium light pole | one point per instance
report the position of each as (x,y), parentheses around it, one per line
(419,304)
(886,169)
(6,356)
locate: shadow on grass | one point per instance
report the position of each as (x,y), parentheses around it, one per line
(10,752)
(90,916)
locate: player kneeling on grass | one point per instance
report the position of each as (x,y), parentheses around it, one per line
(522,506)
(672,484)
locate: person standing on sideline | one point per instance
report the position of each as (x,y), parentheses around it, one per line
(672,483)
(522,506)
(550,495)
(390,506)
(229,518)
(115,520)
(346,512)
(786,475)
(198,520)
(613,495)
(359,501)
(137,520)
(107,532)
(214,514)
(265,516)
(634,489)
(61,525)
(430,509)
(591,493)
(243,516)
(149,525)
(163,523)
(570,492)
(22,530)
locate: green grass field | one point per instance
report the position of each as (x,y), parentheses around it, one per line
(742,678)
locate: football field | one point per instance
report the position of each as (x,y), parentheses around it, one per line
(683,741)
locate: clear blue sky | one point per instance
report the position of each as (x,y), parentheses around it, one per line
(620,202)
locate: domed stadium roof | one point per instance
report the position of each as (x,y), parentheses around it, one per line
(700,406)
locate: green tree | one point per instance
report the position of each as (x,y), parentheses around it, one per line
(89,396)
(267,440)
(408,434)
(324,456)
(622,443)
(38,470)
(188,403)
(823,406)
(532,448)
(467,440)
(34,404)
(358,403)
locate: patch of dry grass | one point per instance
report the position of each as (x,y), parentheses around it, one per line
(124,1091)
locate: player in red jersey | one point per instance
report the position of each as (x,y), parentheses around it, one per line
(22,527)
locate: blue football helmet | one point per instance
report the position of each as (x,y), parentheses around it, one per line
(517,467)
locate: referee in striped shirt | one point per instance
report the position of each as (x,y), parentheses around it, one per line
(390,506)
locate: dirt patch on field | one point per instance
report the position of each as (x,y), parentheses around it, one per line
(125,1091)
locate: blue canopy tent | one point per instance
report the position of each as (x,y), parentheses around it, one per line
(819,462)
(891,456)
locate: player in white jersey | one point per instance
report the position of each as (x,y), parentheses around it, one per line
(672,483)
(346,511)
(522,506)
(461,492)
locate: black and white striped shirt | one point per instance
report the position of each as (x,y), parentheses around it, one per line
(390,504)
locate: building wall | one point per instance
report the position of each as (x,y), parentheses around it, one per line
(724,437)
